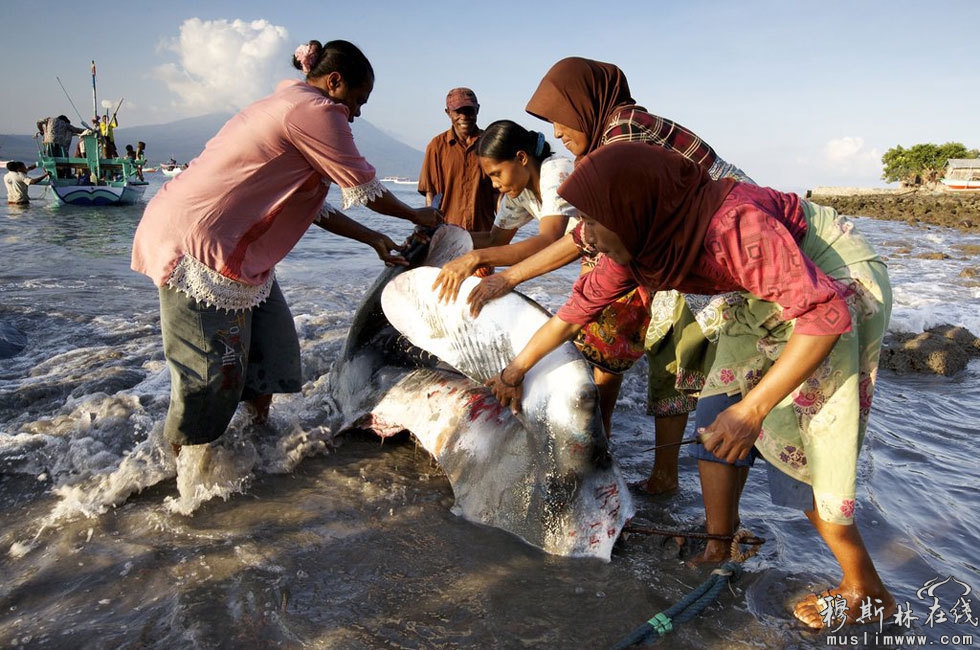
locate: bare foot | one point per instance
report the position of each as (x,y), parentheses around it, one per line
(660,482)
(817,611)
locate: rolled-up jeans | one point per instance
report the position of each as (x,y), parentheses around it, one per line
(218,358)
(784,490)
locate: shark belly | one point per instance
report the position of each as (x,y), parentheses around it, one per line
(412,363)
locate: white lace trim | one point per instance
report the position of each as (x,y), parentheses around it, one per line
(362,194)
(215,290)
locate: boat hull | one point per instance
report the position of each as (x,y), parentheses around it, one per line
(94,195)
(961,185)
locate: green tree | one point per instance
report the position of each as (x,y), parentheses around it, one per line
(921,163)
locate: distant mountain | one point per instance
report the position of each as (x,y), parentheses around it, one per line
(18,147)
(185,139)
(181,140)
(389,156)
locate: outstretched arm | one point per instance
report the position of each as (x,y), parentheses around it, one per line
(508,385)
(452,274)
(592,293)
(551,257)
(38,179)
(550,230)
(337,222)
(392,206)
(495,237)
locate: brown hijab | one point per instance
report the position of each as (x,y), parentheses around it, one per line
(582,94)
(658,203)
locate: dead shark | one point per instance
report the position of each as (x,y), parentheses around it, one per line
(545,474)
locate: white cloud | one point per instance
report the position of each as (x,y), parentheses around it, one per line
(223,65)
(848,155)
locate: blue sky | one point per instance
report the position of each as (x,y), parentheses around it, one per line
(797,94)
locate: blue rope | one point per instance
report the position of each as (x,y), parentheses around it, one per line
(689,607)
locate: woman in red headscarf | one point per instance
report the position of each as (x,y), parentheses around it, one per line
(801,348)
(589,105)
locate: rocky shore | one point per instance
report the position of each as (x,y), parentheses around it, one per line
(944,350)
(917,207)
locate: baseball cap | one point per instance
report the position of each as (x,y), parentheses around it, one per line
(460,97)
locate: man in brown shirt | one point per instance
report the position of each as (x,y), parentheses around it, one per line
(452,169)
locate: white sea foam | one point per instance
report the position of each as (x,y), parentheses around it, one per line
(226,466)
(929,277)
(20,549)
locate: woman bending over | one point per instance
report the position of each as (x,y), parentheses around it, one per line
(802,349)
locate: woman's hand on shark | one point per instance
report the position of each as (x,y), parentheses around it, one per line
(451,276)
(384,246)
(506,390)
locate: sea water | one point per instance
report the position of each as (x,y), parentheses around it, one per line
(287,535)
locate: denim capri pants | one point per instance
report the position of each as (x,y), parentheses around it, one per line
(784,490)
(218,358)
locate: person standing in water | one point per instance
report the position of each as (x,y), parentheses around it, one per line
(802,349)
(17,181)
(211,237)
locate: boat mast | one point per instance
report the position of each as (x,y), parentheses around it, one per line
(96,168)
(95,99)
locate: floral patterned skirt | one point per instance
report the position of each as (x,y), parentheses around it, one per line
(680,347)
(614,341)
(814,435)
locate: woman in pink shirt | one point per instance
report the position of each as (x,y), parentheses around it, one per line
(211,237)
(801,349)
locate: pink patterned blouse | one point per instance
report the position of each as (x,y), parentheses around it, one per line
(218,229)
(752,244)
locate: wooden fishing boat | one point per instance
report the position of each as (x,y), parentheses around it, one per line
(93,180)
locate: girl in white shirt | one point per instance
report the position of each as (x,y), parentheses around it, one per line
(527,175)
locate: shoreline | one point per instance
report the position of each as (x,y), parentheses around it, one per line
(916,207)
(944,349)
